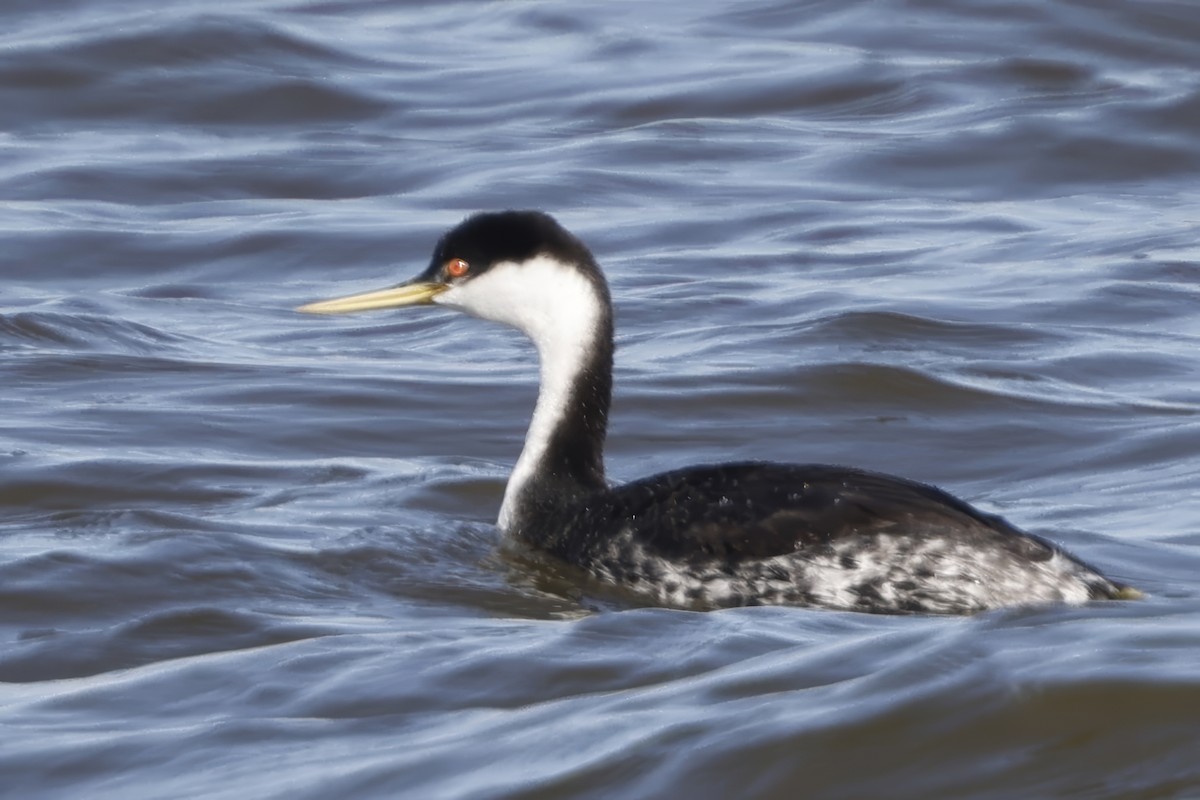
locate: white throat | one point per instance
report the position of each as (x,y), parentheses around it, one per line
(557,307)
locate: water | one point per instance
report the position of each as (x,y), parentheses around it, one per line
(249,553)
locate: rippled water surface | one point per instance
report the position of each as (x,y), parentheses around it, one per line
(249,553)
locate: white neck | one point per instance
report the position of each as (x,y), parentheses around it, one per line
(558,308)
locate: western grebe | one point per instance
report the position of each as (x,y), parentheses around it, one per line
(720,535)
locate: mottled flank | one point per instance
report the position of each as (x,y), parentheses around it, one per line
(878,573)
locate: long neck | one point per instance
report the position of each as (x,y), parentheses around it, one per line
(563,456)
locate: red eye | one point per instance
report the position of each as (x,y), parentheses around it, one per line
(456,268)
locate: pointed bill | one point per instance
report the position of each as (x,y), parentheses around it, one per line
(417,293)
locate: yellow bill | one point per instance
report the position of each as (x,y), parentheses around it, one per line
(418,293)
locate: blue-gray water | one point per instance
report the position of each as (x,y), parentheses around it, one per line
(249,553)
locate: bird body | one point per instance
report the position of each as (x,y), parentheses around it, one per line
(720,535)
(805,534)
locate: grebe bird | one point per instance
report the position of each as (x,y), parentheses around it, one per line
(709,536)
